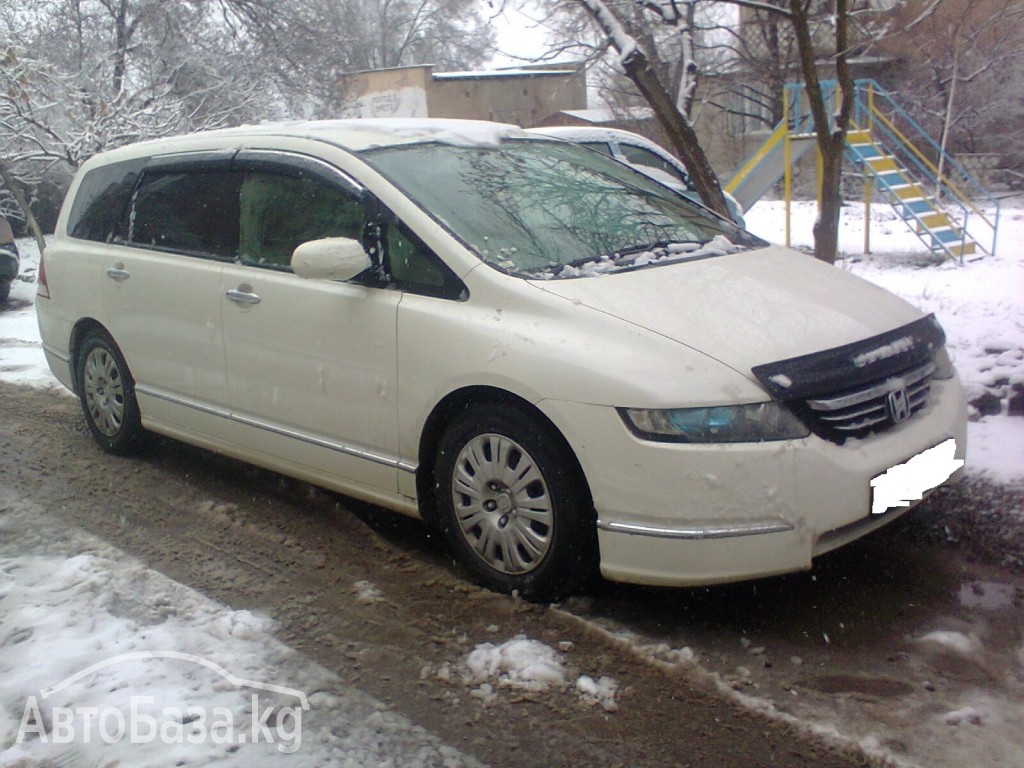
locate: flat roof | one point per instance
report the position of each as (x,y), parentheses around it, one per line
(492,73)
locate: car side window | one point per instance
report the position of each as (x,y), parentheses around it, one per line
(279,212)
(645,157)
(415,268)
(102,201)
(185,211)
(598,146)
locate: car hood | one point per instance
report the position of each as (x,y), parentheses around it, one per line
(744,309)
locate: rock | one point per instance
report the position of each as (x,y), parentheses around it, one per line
(987,404)
(1016,401)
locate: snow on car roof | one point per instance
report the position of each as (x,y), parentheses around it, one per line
(362,134)
(355,134)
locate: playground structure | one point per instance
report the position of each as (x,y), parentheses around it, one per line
(928,189)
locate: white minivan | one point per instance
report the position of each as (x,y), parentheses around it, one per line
(559,362)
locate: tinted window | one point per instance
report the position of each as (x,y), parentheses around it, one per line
(414,267)
(193,212)
(101,204)
(280,212)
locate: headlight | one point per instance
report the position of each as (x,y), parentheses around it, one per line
(943,365)
(752,423)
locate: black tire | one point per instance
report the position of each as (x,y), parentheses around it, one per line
(512,503)
(5,289)
(107,392)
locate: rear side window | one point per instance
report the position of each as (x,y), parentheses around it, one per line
(193,212)
(101,204)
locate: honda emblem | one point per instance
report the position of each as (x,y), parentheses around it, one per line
(899,405)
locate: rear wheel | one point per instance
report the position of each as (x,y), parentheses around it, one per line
(107,392)
(512,503)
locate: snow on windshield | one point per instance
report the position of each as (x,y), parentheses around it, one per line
(718,246)
(537,206)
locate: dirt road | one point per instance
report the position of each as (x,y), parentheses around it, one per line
(252,539)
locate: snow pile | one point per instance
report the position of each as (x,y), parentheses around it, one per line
(599,692)
(366,593)
(967,646)
(528,667)
(518,663)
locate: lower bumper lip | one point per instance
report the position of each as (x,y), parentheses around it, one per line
(699,531)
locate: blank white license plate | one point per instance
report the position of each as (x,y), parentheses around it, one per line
(906,484)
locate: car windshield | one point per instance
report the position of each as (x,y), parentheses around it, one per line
(551,209)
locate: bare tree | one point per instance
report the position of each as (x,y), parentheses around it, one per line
(963,77)
(80,76)
(307,46)
(638,67)
(830,130)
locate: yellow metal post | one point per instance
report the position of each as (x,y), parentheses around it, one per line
(787,184)
(869,184)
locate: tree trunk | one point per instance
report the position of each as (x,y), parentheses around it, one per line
(826,226)
(947,122)
(830,132)
(120,46)
(680,131)
(688,74)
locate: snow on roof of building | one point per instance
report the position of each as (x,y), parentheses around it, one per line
(489,73)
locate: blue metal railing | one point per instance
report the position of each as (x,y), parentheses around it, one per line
(882,121)
(893,129)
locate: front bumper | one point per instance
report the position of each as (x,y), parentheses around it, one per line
(680,515)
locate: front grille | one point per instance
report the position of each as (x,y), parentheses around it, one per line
(859,388)
(867,409)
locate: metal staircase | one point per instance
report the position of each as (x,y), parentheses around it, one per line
(941,206)
(896,157)
(923,213)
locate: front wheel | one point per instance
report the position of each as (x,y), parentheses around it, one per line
(107,392)
(513,504)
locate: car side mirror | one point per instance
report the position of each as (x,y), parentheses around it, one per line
(333,258)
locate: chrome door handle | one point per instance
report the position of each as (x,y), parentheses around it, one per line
(243,295)
(118,273)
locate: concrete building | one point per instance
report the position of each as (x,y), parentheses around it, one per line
(523,95)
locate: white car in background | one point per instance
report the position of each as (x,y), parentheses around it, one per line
(641,153)
(555,360)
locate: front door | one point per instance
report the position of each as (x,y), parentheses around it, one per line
(311,364)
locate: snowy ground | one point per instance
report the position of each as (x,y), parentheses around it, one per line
(69,601)
(157,658)
(980,306)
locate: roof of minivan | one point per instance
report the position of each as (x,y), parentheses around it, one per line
(358,134)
